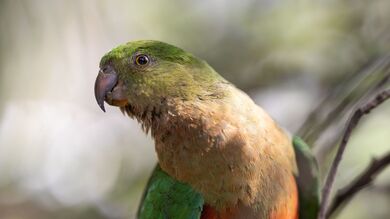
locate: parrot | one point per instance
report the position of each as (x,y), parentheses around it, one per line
(220,156)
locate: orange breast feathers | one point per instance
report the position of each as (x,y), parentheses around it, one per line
(288,205)
(287,208)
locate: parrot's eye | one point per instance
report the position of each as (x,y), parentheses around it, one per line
(141,60)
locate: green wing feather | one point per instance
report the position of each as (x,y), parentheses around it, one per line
(166,198)
(307,180)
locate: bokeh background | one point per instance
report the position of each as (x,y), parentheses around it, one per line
(61,157)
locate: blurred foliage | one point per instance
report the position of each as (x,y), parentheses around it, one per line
(60,157)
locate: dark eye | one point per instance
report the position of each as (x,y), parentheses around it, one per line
(141,60)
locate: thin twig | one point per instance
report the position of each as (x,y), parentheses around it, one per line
(347,133)
(363,180)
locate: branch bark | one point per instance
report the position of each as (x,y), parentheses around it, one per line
(364,179)
(353,121)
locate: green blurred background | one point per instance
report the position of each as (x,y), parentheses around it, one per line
(61,157)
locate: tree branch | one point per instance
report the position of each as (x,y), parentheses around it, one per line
(353,121)
(360,86)
(364,179)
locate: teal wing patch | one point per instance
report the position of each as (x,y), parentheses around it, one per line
(166,198)
(307,180)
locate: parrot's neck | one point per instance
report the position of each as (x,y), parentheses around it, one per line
(228,149)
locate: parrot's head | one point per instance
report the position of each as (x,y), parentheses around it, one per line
(146,73)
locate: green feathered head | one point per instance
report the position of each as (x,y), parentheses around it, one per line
(145,73)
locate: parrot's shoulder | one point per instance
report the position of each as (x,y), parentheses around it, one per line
(165,197)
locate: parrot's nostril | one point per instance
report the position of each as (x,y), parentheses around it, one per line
(104,69)
(107,69)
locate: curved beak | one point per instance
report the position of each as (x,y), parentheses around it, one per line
(105,83)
